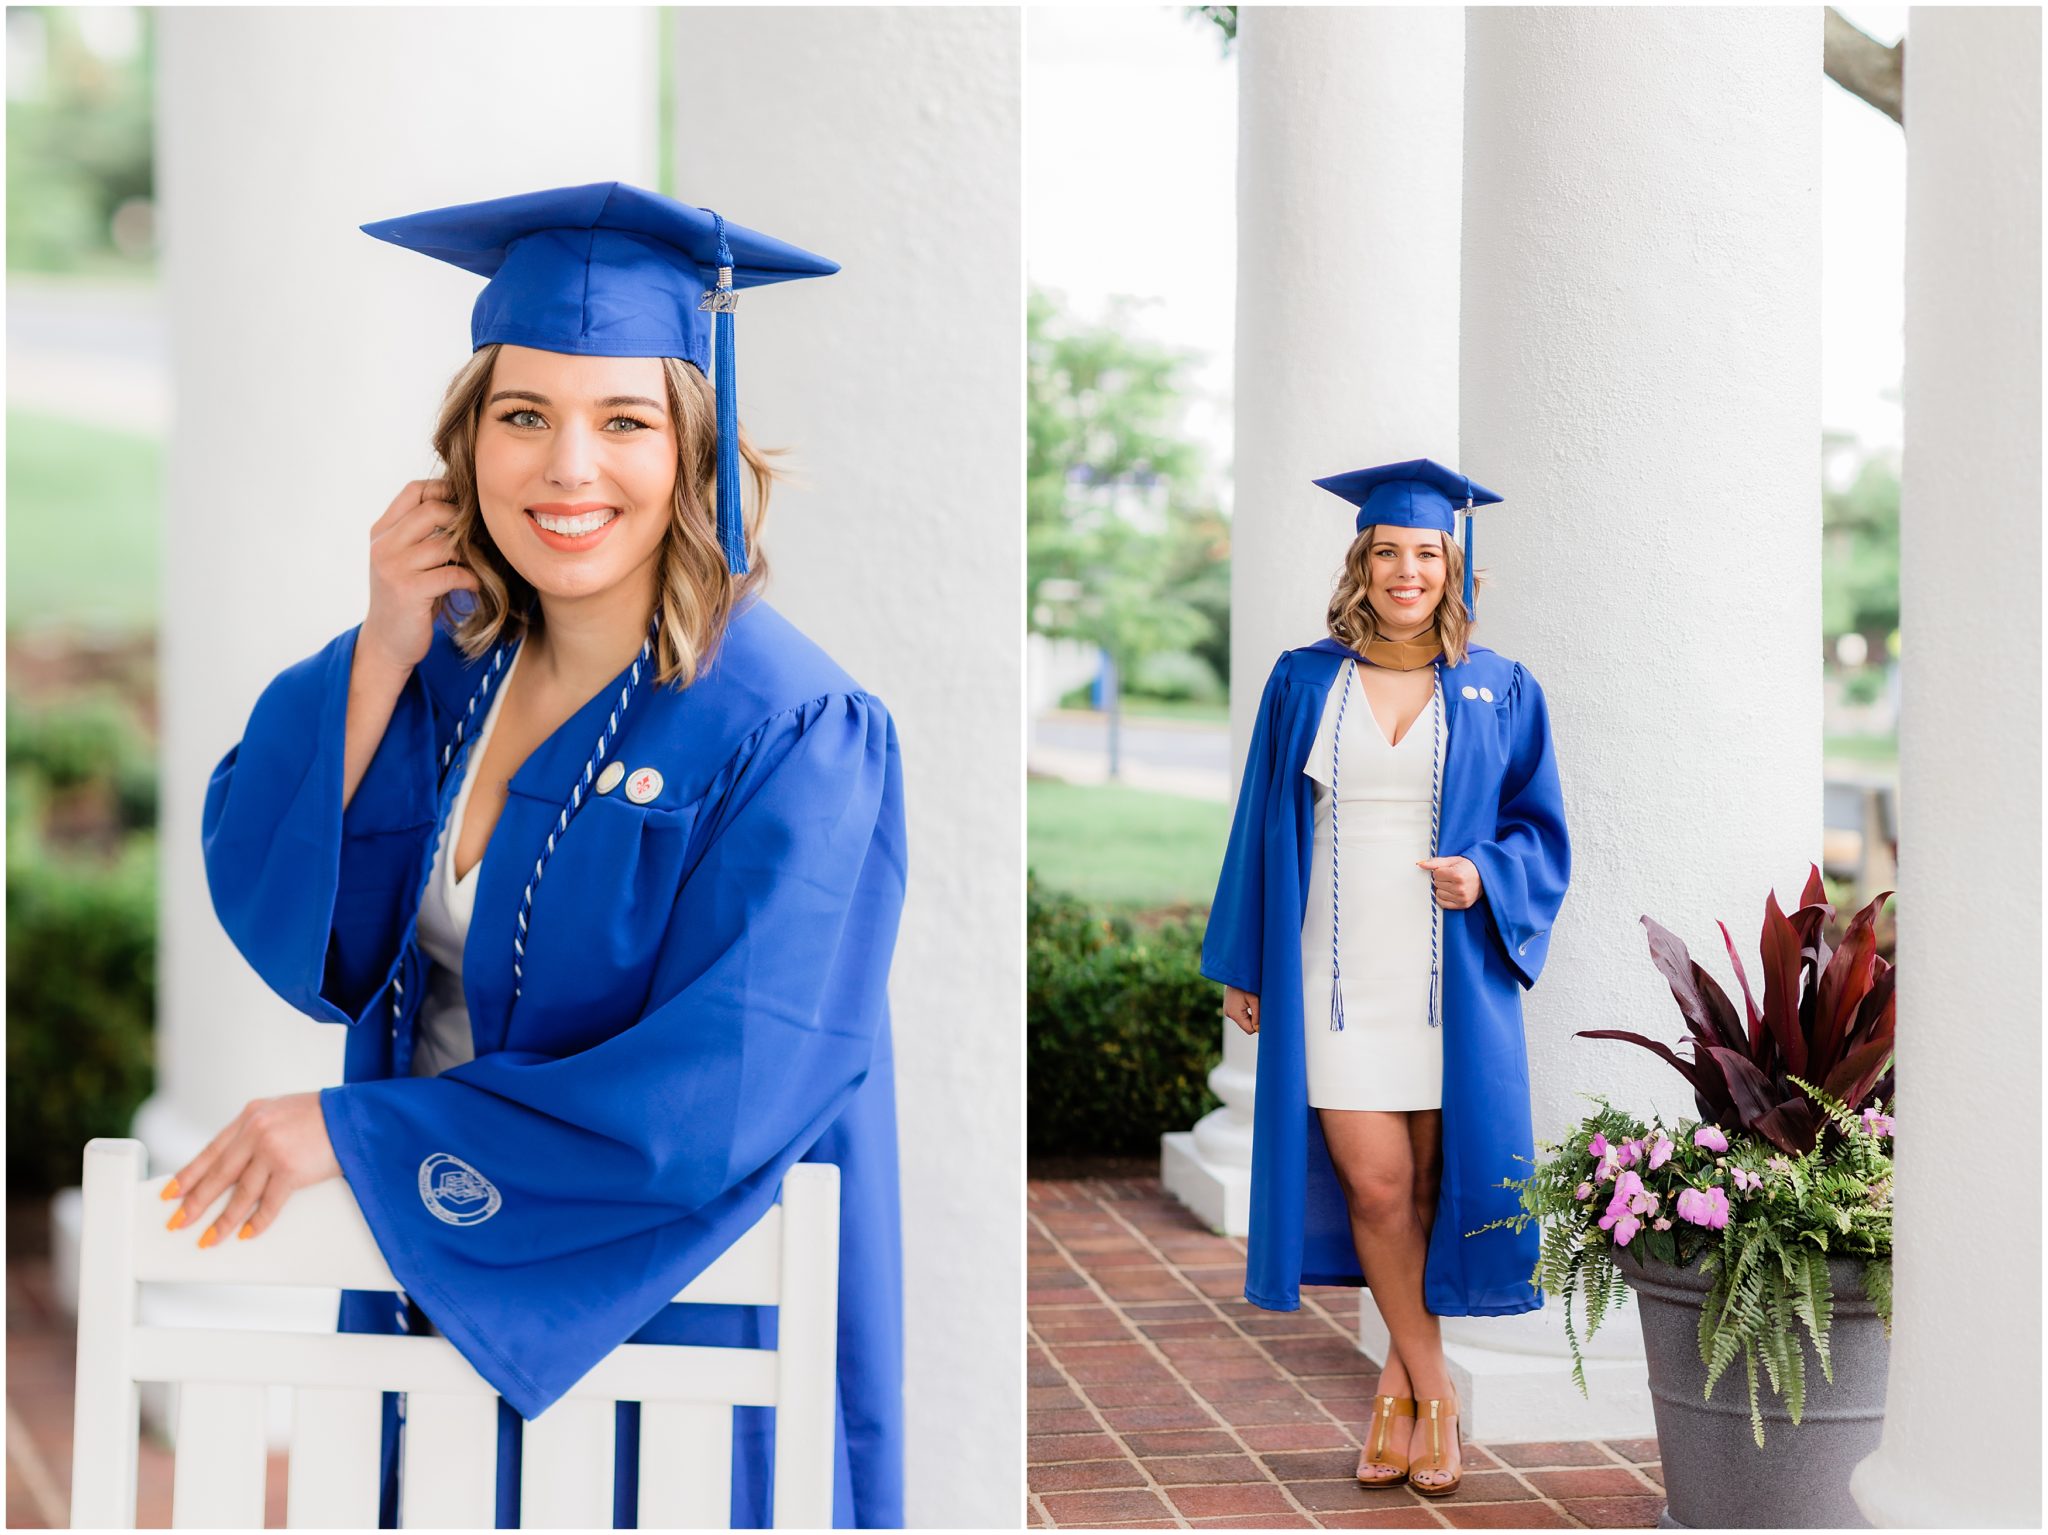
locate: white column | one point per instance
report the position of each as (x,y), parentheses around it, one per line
(887,139)
(307,361)
(1347,325)
(1966,1336)
(1641,380)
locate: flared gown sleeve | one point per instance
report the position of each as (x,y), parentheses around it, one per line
(591,1187)
(1236,931)
(1525,866)
(316,898)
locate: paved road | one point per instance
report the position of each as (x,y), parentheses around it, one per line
(95,351)
(1169,756)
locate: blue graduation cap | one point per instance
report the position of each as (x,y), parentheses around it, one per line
(612,270)
(1416,493)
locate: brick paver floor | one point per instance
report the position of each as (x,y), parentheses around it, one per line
(1160,1399)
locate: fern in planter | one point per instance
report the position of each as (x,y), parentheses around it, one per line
(1762,1223)
(1778,1175)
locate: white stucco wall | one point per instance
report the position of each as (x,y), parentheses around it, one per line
(1966,1342)
(889,137)
(1641,380)
(308,361)
(1347,296)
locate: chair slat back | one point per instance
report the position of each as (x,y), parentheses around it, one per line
(685,1466)
(565,1467)
(336,1455)
(789,1260)
(218,1480)
(448,1439)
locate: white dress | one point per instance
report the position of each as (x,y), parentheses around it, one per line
(1387,1055)
(441,1034)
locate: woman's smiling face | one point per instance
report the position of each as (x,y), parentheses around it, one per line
(576,467)
(1407,567)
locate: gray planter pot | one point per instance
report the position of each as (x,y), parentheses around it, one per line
(1714,1475)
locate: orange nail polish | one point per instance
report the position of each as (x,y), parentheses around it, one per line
(170,1190)
(177,1219)
(248,1230)
(212,1236)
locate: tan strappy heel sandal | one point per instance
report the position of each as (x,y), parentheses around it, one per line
(1385,1409)
(1430,1410)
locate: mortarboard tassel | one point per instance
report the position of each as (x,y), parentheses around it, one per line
(1471,612)
(722,301)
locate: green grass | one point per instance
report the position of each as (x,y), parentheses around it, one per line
(83,539)
(1124,846)
(1136,707)
(1882,749)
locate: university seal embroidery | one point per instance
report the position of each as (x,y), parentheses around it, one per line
(456,1192)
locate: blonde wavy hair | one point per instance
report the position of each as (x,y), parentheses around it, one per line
(696,592)
(1353,623)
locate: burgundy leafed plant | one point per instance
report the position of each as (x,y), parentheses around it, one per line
(1826,1018)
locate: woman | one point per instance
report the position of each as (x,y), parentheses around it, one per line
(596,857)
(1396,862)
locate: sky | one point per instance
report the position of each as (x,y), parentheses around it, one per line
(1130,151)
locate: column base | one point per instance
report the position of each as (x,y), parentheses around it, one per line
(1508,1397)
(1220,1197)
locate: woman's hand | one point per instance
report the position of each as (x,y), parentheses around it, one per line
(1241,1008)
(272,1148)
(1456,880)
(409,570)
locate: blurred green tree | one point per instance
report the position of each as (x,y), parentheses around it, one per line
(1860,549)
(1126,548)
(80,166)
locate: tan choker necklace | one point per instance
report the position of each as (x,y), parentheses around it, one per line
(1404,655)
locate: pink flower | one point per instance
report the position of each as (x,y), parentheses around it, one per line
(1704,1207)
(1876,1123)
(1745,1179)
(1779,1164)
(1660,1152)
(1662,1223)
(1583,1191)
(1597,1147)
(1624,1229)
(1710,1137)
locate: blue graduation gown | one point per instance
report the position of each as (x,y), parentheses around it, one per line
(1503,809)
(704,1004)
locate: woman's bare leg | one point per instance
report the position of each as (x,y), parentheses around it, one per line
(1374,1160)
(1389,1166)
(1425,1137)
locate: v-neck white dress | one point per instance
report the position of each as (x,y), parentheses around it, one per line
(442,1035)
(1387,1056)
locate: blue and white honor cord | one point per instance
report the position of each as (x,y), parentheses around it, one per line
(454,758)
(1436,705)
(577,793)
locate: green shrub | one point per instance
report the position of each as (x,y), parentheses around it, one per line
(1123,1029)
(1178,676)
(81,1005)
(81,934)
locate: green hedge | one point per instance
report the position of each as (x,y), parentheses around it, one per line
(1123,1029)
(81,936)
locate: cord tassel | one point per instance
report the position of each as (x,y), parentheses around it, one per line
(1436,795)
(1336,760)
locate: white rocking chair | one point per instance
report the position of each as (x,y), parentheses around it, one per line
(789,1260)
